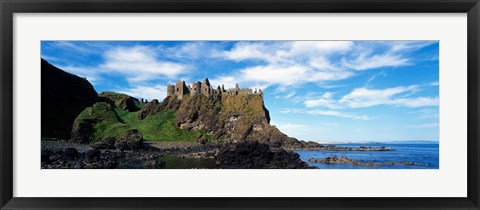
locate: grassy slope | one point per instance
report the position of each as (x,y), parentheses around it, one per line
(115,122)
(159,127)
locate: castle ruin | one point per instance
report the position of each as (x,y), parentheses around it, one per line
(181,88)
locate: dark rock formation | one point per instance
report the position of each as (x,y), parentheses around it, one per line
(230,118)
(254,155)
(105,143)
(342,160)
(131,140)
(409,163)
(151,108)
(82,132)
(315,146)
(63,97)
(171,103)
(122,101)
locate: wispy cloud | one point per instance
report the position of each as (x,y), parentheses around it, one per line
(147,92)
(338,114)
(297,62)
(91,73)
(363,97)
(140,63)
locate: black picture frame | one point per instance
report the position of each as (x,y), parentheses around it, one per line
(10,7)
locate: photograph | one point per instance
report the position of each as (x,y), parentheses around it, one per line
(240,104)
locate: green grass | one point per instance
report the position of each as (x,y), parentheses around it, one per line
(159,127)
(108,124)
(115,122)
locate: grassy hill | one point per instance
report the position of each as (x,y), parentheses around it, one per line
(110,118)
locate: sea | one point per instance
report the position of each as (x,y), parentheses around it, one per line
(425,154)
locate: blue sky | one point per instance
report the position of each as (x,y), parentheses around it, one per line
(315,90)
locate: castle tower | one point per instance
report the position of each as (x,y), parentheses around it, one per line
(196,88)
(223,88)
(236,86)
(206,90)
(170,90)
(180,89)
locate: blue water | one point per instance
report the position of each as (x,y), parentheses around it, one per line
(419,153)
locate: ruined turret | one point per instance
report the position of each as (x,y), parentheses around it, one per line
(196,88)
(170,90)
(180,89)
(206,90)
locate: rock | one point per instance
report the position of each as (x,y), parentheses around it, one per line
(122,101)
(82,132)
(341,160)
(64,96)
(404,163)
(70,154)
(78,165)
(131,140)
(92,155)
(105,143)
(254,155)
(233,118)
(202,140)
(151,108)
(45,155)
(56,156)
(155,164)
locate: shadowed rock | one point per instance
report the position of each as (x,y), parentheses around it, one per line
(63,97)
(254,155)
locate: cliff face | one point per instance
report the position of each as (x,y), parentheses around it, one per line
(63,97)
(230,118)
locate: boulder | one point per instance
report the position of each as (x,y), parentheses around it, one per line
(254,155)
(131,140)
(82,132)
(150,109)
(92,155)
(70,154)
(105,143)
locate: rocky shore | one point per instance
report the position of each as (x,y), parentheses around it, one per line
(316,146)
(345,160)
(245,155)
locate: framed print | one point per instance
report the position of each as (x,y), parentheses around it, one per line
(239,105)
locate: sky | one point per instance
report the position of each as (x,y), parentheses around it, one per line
(340,91)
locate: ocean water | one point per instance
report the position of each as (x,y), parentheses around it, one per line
(426,154)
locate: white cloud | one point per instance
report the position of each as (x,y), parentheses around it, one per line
(139,63)
(73,47)
(92,74)
(409,45)
(289,64)
(326,100)
(147,92)
(426,113)
(292,110)
(338,114)
(290,95)
(428,125)
(274,74)
(375,61)
(363,97)
(319,47)
(290,126)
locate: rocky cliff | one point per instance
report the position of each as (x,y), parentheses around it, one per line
(63,97)
(229,118)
